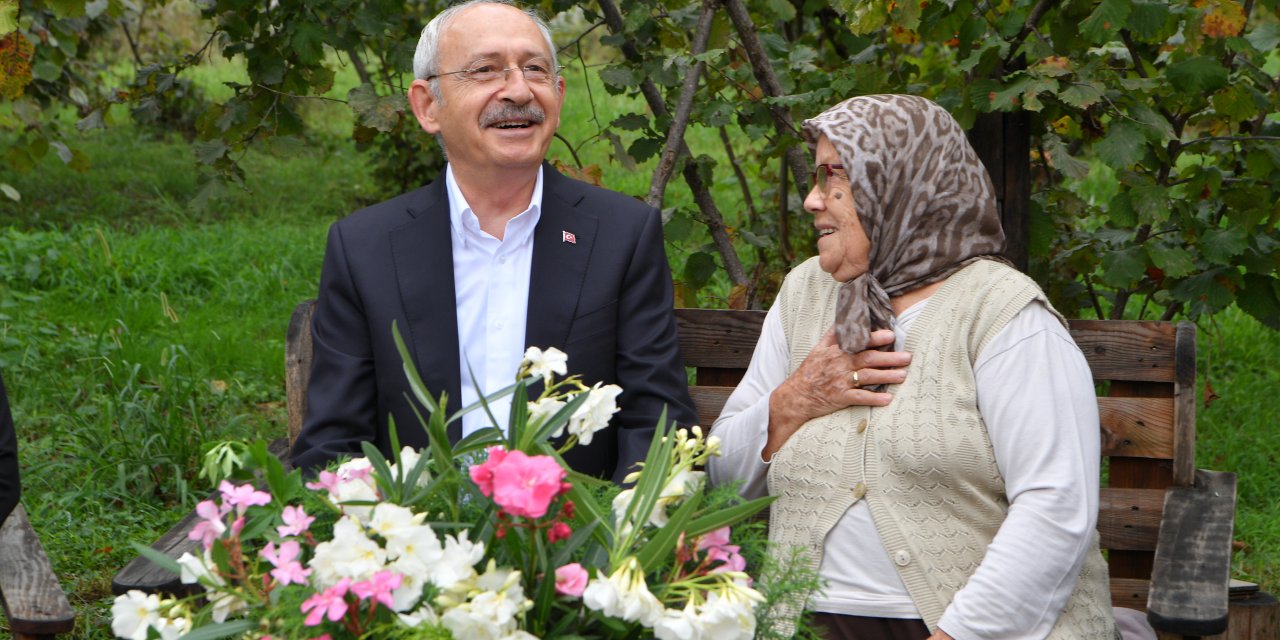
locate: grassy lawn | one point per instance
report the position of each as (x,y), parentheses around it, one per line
(136,330)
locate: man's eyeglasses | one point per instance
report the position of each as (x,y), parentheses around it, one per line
(822,173)
(534,73)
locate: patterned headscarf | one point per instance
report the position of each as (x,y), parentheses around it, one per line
(922,195)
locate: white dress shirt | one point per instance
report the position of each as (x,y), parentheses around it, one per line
(1036,397)
(491,285)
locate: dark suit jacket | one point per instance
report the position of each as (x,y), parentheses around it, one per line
(10,489)
(605,300)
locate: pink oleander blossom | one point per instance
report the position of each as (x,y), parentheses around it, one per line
(379,588)
(525,485)
(326,481)
(211,526)
(331,604)
(296,521)
(716,544)
(287,569)
(482,474)
(571,580)
(242,496)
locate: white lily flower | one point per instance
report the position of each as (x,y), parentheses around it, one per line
(458,562)
(133,613)
(408,460)
(542,410)
(394,522)
(544,363)
(594,414)
(679,624)
(350,554)
(624,595)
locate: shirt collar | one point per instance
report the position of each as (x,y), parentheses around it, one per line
(466,226)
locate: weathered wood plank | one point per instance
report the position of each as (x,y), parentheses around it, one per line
(297,365)
(1192,566)
(1130,593)
(709,401)
(32,598)
(1252,617)
(717,337)
(1136,427)
(1127,349)
(1129,519)
(1184,402)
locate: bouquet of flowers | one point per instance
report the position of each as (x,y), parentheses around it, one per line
(490,538)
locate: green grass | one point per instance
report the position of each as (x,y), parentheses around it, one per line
(136,329)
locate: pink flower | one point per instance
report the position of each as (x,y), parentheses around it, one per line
(571,580)
(296,521)
(327,481)
(379,587)
(243,496)
(287,570)
(558,531)
(482,474)
(525,485)
(285,554)
(331,604)
(211,526)
(716,544)
(237,526)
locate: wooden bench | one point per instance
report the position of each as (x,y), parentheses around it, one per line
(33,601)
(1166,525)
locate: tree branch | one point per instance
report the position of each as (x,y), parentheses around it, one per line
(768,80)
(701,193)
(684,106)
(1028,26)
(743,184)
(1232,139)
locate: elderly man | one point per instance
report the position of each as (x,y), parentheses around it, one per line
(500,253)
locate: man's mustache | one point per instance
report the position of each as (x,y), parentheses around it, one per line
(511,112)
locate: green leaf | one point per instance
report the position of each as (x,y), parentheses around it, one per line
(66,8)
(1197,74)
(782,9)
(1151,202)
(1106,20)
(1260,298)
(379,112)
(618,76)
(1220,245)
(1147,20)
(221,630)
(1120,211)
(631,122)
(308,42)
(1174,261)
(1123,146)
(209,151)
(1155,126)
(1124,268)
(158,558)
(1081,95)
(698,269)
(1061,159)
(867,16)
(8,17)
(47,71)
(1264,37)
(727,517)
(9,192)
(1235,103)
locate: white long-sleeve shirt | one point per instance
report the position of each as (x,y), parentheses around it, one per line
(1036,396)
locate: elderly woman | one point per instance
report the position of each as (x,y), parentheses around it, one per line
(966,506)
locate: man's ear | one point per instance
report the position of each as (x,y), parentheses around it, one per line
(424,104)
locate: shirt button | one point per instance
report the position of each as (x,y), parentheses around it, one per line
(901,558)
(502,260)
(862,425)
(859,490)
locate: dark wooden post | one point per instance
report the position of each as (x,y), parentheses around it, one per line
(1003,142)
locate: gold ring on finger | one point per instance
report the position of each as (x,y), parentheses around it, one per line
(853,379)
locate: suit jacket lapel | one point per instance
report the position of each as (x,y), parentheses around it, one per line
(423,254)
(559,266)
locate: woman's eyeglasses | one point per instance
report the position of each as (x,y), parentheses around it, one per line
(822,174)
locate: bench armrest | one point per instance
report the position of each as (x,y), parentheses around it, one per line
(1192,566)
(29,591)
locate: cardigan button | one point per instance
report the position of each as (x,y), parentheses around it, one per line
(902,558)
(859,490)
(862,425)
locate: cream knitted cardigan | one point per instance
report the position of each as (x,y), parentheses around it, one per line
(924,464)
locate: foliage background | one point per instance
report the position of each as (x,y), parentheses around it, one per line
(169,168)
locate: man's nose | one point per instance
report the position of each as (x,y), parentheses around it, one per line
(515,87)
